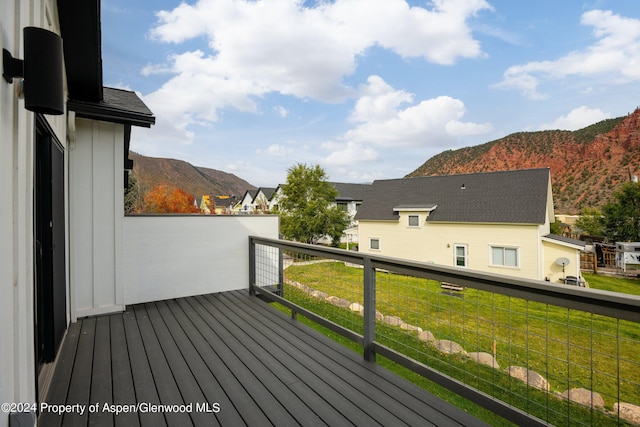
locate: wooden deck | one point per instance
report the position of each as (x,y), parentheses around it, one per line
(225,359)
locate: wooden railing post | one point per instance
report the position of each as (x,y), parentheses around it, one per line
(369,309)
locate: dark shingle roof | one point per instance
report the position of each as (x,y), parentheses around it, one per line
(350,192)
(491,197)
(267,191)
(564,239)
(117,105)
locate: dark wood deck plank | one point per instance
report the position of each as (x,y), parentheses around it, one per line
(395,412)
(188,386)
(231,349)
(248,375)
(80,385)
(144,385)
(101,381)
(123,389)
(59,387)
(234,391)
(226,388)
(325,393)
(212,392)
(410,395)
(162,376)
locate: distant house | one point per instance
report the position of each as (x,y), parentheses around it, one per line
(266,199)
(218,205)
(495,222)
(245,205)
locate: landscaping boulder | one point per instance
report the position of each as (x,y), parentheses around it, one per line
(426,336)
(319,294)
(628,412)
(392,320)
(449,347)
(584,397)
(484,358)
(408,327)
(530,377)
(356,307)
(337,301)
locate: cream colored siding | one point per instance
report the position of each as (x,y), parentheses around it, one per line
(551,269)
(436,242)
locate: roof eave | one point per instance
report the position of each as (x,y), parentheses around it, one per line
(96,111)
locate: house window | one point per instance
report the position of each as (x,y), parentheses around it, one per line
(374,244)
(460,254)
(504,256)
(414,220)
(343,206)
(358,206)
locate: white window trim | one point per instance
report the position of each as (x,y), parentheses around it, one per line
(379,245)
(409,221)
(511,267)
(466,255)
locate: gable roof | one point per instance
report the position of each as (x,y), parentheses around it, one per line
(490,197)
(350,192)
(267,191)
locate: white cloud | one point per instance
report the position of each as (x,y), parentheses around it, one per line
(283,46)
(283,112)
(386,117)
(576,119)
(615,55)
(351,153)
(275,150)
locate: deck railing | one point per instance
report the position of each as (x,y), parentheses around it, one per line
(533,352)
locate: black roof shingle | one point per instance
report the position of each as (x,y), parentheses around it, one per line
(491,197)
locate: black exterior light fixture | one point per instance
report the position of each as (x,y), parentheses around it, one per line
(41,69)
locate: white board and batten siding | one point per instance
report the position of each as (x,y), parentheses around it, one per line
(17,158)
(96,180)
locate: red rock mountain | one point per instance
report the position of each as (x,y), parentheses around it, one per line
(587,165)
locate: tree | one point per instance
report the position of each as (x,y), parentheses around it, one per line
(621,218)
(306,214)
(590,221)
(164,200)
(133,196)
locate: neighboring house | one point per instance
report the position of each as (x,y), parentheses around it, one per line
(63,169)
(266,199)
(263,200)
(246,203)
(350,197)
(495,222)
(205,204)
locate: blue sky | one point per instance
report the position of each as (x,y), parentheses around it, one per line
(367,89)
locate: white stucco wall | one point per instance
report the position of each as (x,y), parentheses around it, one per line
(176,256)
(17,140)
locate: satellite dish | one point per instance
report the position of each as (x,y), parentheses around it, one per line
(562,261)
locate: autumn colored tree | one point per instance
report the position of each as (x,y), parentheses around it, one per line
(166,200)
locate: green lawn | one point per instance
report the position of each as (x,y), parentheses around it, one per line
(625,285)
(570,348)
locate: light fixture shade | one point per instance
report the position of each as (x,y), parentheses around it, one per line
(43,72)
